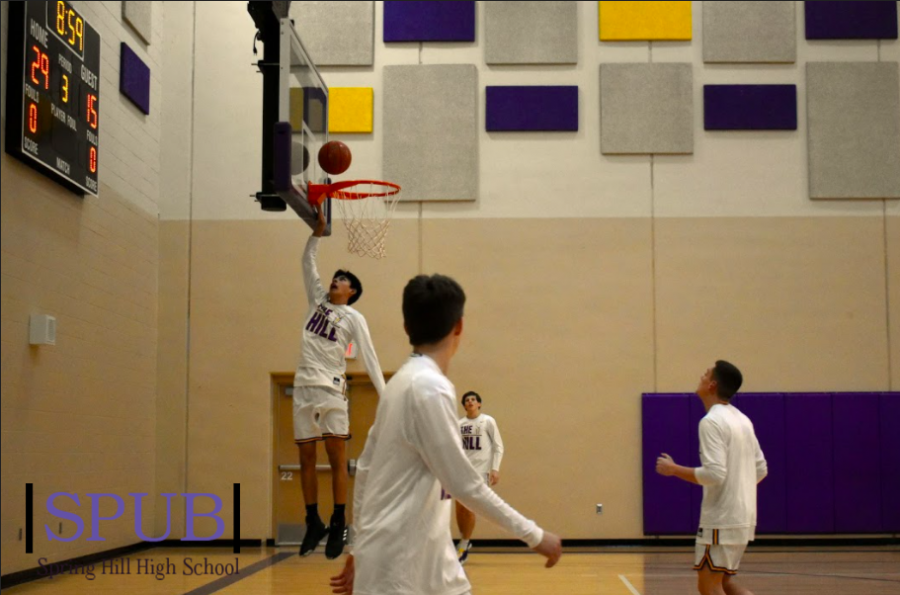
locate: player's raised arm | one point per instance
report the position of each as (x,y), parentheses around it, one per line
(315,293)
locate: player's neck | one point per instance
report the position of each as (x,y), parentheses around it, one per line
(476,416)
(711,401)
(441,353)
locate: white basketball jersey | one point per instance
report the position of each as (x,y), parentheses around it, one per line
(481,442)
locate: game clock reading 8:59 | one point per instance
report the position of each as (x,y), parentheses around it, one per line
(53,92)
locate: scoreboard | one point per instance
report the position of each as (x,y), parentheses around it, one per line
(53,92)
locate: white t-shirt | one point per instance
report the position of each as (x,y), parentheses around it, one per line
(732,463)
(481,442)
(412,462)
(327,331)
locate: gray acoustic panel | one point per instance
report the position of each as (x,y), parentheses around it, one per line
(853,111)
(431,131)
(337,33)
(140,16)
(531,32)
(646,108)
(749,32)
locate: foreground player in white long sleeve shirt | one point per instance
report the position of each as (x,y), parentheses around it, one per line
(320,407)
(732,463)
(413,460)
(483,445)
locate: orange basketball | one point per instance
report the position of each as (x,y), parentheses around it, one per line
(335,157)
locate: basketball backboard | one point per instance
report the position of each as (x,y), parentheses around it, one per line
(302,126)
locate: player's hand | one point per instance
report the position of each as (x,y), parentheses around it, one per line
(494,478)
(343,583)
(551,548)
(321,224)
(665,465)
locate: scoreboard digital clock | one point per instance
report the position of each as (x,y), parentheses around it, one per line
(53,92)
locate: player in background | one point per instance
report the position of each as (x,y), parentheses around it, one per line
(483,445)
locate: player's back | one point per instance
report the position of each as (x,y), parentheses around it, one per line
(731,503)
(403,543)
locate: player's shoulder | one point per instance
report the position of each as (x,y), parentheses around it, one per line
(742,417)
(429,382)
(351,312)
(488,418)
(712,420)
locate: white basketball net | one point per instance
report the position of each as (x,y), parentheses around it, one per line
(368,219)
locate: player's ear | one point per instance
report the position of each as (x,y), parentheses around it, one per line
(458,328)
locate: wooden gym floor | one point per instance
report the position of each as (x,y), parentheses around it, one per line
(617,571)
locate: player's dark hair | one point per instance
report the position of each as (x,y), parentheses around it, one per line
(431,308)
(471,393)
(728,378)
(354,284)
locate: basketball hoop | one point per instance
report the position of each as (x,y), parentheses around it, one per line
(366,211)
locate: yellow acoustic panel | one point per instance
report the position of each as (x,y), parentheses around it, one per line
(647,21)
(350,109)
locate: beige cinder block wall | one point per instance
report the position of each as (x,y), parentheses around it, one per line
(80,416)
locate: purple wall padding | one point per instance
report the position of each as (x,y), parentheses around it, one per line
(766,411)
(856,19)
(532,109)
(698,412)
(857,463)
(667,500)
(809,444)
(134,79)
(750,107)
(434,20)
(889,415)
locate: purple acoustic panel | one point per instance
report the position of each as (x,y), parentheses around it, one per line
(889,415)
(809,447)
(750,107)
(434,20)
(766,411)
(857,19)
(134,79)
(667,500)
(857,463)
(532,109)
(697,413)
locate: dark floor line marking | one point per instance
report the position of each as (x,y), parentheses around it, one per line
(227,581)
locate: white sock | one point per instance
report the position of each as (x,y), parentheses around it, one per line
(463,544)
